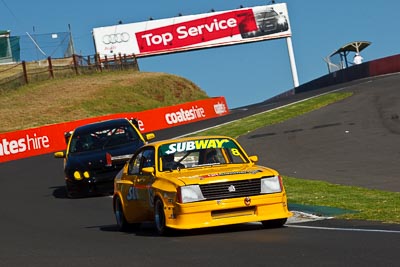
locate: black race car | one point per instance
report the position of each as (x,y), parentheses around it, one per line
(96,153)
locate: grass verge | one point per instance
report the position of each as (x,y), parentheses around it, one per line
(365,204)
(86,96)
(249,124)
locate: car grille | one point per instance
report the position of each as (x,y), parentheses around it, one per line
(231,189)
(268,25)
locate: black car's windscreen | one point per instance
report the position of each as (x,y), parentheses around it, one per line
(103,138)
(195,153)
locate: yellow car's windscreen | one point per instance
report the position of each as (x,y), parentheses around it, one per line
(195,153)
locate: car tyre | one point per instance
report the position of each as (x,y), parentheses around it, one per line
(70,194)
(122,223)
(277,223)
(159,218)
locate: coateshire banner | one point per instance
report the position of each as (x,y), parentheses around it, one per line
(50,138)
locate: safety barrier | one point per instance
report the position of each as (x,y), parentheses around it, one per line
(373,68)
(50,138)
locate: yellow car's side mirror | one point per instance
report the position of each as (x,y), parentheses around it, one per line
(253,159)
(148,170)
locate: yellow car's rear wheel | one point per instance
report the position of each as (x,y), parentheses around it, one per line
(122,223)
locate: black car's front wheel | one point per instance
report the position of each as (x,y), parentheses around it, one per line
(159,217)
(70,193)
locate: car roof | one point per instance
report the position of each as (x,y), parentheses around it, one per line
(102,124)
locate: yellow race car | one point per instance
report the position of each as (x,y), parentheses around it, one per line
(197,182)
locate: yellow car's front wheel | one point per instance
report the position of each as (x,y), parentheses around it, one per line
(277,223)
(159,217)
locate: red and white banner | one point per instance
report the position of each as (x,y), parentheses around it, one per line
(194,31)
(50,138)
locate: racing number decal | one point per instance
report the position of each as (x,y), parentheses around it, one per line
(235,152)
(132,194)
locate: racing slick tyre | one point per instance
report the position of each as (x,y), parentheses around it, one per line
(69,193)
(159,217)
(122,224)
(274,223)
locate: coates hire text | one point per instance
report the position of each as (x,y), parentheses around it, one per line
(9,147)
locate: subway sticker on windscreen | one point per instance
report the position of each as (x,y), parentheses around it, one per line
(197,144)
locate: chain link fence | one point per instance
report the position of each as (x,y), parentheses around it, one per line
(35,47)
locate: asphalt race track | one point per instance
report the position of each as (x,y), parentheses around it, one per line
(353,142)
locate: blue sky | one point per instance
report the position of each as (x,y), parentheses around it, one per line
(243,74)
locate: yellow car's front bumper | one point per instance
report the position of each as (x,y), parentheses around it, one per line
(227,211)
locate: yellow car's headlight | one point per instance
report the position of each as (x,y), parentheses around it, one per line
(190,193)
(271,185)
